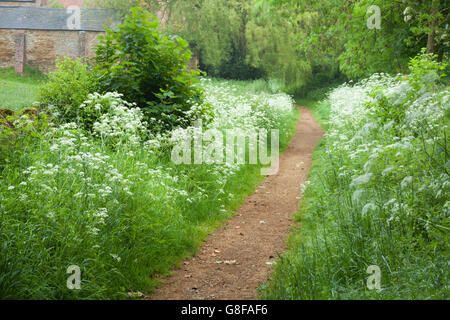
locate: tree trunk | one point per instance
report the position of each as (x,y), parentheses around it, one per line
(431,43)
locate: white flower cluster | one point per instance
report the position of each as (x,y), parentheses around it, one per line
(240,112)
(397,156)
(122,122)
(74,166)
(99,180)
(236,109)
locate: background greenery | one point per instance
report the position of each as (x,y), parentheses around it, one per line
(306,44)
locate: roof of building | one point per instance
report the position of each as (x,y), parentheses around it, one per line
(42,18)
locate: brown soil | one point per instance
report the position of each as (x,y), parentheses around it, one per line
(236,259)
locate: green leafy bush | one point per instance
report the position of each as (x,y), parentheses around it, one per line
(426,72)
(67,88)
(149,69)
(425,75)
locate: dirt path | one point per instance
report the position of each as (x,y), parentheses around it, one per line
(236,259)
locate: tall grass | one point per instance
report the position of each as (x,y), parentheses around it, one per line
(378,195)
(114,204)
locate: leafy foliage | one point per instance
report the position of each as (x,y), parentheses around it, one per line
(425,75)
(149,69)
(235,39)
(67,88)
(306,43)
(339,32)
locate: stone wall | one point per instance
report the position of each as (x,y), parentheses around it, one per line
(31,35)
(37,37)
(43,47)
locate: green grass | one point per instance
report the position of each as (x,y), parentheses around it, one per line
(57,184)
(339,235)
(17,92)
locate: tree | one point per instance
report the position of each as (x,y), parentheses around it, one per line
(339,30)
(149,69)
(238,38)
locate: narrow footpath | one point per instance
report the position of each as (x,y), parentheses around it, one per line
(238,257)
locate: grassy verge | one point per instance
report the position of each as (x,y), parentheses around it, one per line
(123,211)
(375,198)
(17,92)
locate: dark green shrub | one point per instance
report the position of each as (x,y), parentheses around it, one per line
(425,76)
(67,88)
(234,68)
(149,69)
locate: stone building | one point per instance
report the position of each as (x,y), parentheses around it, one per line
(34,35)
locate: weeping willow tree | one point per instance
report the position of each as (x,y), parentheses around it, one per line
(276,39)
(244,39)
(210,26)
(216,30)
(368,36)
